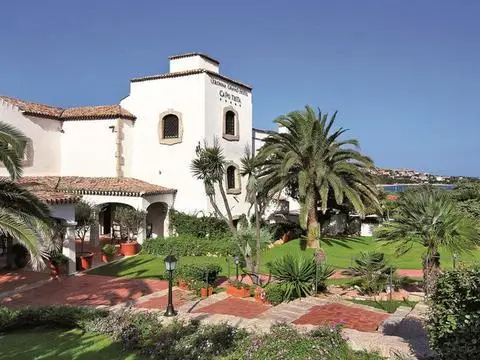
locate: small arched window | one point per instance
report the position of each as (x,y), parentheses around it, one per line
(230,123)
(231,177)
(28,153)
(171,126)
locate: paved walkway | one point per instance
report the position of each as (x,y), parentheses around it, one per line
(236,307)
(20,279)
(348,316)
(85,290)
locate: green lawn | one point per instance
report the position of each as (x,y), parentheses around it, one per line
(43,344)
(340,254)
(389,306)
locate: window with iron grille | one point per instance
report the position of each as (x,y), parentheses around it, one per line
(170,126)
(231,177)
(230,123)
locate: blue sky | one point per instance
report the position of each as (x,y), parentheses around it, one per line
(403,74)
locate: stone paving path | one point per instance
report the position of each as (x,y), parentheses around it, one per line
(17,279)
(348,316)
(235,307)
(85,290)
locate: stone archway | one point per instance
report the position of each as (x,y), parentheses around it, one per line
(156,215)
(105,218)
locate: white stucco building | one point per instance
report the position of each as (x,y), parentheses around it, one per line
(138,152)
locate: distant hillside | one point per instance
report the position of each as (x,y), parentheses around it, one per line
(407,176)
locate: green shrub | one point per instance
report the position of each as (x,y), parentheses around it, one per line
(57,257)
(454,316)
(285,343)
(188,245)
(295,274)
(197,226)
(274,293)
(146,334)
(109,250)
(50,316)
(322,273)
(372,271)
(198,272)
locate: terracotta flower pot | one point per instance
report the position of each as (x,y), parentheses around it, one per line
(236,292)
(182,284)
(86,261)
(128,249)
(206,292)
(260,295)
(106,258)
(54,271)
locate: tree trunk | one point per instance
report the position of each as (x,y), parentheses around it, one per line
(227,208)
(10,255)
(257,234)
(431,271)
(216,208)
(313,226)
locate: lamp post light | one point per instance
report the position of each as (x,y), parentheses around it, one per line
(170,263)
(237,262)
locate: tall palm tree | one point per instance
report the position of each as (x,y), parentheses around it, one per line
(209,166)
(428,217)
(250,169)
(312,155)
(23,217)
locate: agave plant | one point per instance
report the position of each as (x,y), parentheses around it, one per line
(295,274)
(373,271)
(322,273)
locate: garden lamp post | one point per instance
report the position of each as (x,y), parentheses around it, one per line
(170,263)
(237,262)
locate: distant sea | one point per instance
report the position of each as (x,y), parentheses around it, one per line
(403,187)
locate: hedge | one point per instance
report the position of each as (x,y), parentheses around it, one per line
(188,245)
(197,226)
(454,316)
(66,317)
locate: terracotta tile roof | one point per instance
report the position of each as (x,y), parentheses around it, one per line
(188,73)
(97,112)
(94,185)
(46,192)
(194,54)
(75,113)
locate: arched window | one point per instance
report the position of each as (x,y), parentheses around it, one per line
(230,123)
(28,153)
(171,126)
(231,177)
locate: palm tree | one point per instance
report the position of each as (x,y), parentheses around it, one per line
(209,166)
(311,156)
(250,169)
(23,217)
(428,217)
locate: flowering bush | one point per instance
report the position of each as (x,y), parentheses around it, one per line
(286,343)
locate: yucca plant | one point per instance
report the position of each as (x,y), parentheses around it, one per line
(322,273)
(373,271)
(295,274)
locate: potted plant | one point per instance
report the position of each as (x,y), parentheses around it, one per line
(108,252)
(260,295)
(57,259)
(84,213)
(130,221)
(204,289)
(237,288)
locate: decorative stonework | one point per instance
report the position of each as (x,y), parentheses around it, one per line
(170,141)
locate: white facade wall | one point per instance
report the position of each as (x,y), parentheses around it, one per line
(88,148)
(168,165)
(45,135)
(220,96)
(192,63)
